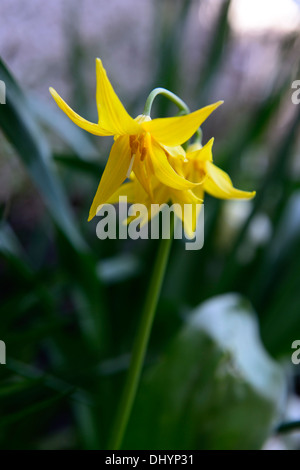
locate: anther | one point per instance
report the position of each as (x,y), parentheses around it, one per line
(141,142)
(143,154)
(132,138)
(134,147)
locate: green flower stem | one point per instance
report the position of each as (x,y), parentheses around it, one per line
(182,106)
(168,94)
(141,343)
(198,136)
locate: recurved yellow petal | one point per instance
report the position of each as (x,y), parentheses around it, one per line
(176,151)
(188,213)
(111,112)
(199,192)
(162,168)
(114,174)
(186,197)
(78,120)
(202,154)
(218,184)
(177,130)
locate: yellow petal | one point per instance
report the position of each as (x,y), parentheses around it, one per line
(78,120)
(162,168)
(191,219)
(189,216)
(143,173)
(128,190)
(199,192)
(114,174)
(177,130)
(111,112)
(203,154)
(186,197)
(188,213)
(177,151)
(219,185)
(193,147)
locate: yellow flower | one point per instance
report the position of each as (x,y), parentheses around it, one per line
(199,167)
(142,145)
(185,203)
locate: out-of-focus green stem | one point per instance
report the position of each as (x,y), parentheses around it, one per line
(141,343)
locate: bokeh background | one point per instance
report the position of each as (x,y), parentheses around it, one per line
(218,372)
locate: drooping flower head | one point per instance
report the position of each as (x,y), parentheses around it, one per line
(197,167)
(149,153)
(142,145)
(185,203)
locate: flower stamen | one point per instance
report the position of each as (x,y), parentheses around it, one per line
(143,154)
(130,166)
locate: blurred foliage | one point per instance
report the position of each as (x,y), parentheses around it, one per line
(70,303)
(214,388)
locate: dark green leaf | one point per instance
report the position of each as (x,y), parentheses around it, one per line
(21,128)
(215,387)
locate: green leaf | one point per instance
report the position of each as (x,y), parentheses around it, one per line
(280,164)
(35,375)
(10,389)
(215,52)
(9,243)
(14,418)
(214,388)
(21,128)
(72,135)
(82,166)
(11,250)
(278,282)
